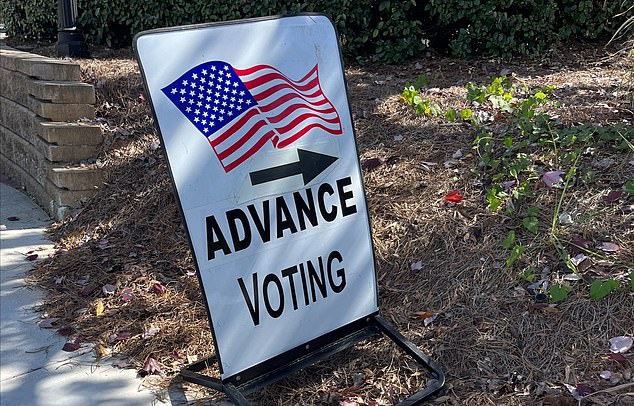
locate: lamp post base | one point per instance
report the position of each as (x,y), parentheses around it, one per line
(70,43)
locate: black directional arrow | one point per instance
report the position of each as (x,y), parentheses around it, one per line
(310,165)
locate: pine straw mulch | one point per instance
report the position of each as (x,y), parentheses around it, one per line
(494,344)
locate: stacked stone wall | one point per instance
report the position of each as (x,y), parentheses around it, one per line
(46,135)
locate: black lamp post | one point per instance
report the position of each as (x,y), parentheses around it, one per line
(70,40)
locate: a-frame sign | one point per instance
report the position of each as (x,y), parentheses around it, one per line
(256,126)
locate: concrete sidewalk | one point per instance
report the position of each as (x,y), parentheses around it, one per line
(34,371)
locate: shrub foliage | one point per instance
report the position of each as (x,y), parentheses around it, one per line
(387,30)
(31,19)
(510,27)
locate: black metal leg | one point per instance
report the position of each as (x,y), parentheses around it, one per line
(433,385)
(235,395)
(375,325)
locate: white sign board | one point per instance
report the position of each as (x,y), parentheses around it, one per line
(255,122)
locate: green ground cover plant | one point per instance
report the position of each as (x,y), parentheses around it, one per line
(522,152)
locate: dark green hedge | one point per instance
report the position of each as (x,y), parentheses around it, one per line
(369,29)
(386,31)
(29,19)
(511,27)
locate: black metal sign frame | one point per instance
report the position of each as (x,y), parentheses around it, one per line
(237,386)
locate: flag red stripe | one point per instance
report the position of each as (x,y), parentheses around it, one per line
(303,131)
(287,97)
(277,88)
(235,126)
(256,68)
(243,140)
(288,127)
(250,152)
(270,77)
(290,109)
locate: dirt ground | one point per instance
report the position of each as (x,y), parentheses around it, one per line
(494,338)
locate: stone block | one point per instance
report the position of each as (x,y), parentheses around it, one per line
(54,153)
(83,138)
(29,158)
(9,57)
(76,178)
(31,186)
(20,120)
(61,133)
(60,112)
(48,68)
(38,66)
(70,153)
(28,125)
(49,196)
(63,92)
(23,154)
(14,86)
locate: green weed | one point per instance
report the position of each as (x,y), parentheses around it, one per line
(558,293)
(601,288)
(513,164)
(422,106)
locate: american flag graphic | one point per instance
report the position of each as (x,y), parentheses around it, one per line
(241,110)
